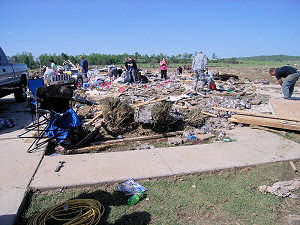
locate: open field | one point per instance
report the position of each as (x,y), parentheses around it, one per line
(222,197)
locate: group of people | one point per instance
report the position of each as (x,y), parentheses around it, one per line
(130,70)
(48,72)
(200,70)
(290,75)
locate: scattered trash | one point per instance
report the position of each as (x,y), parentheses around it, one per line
(227,140)
(61,164)
(55,154)
(7,123)
(176,140)
(191,137)
(124,109)
(282,189)
(135,198)
(131,187)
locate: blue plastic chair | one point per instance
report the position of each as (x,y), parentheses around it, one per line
(58,128)
(33,84)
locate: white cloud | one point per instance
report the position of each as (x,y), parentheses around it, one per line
(6,32)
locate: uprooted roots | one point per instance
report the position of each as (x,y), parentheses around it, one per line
(161,119)
(118,116)
(195,118)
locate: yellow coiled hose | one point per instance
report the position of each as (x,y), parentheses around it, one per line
(78,211)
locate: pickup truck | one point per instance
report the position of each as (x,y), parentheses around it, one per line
(13,78)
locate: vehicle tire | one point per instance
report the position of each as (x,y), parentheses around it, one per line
(20,93)
(79,82)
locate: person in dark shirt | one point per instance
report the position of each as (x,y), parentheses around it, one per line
(133,69)
(290,75)
(126,64)
(127,78)
(179,70)
(142,79)
(83,66)
(113,73)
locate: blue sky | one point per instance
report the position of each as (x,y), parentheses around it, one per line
(228,28)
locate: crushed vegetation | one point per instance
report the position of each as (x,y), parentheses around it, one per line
(118,116)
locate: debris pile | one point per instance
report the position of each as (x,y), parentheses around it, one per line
(127,110)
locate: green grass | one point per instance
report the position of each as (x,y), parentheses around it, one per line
(241,63)
(291,136)
(224,197)
(161,144)
(257,64)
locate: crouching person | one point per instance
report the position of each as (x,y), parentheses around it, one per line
(290,75)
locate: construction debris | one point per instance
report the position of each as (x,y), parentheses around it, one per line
(111,109)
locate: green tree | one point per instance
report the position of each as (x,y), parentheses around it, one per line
(27,58)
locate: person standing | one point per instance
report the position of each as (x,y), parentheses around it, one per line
(133,69)
(84,67)
(163,68)
(127,78)
(53,65)
(179,70)
(199,66)
(291,76)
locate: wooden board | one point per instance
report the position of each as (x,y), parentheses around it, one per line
(286,108)
(266,122)
(257,114)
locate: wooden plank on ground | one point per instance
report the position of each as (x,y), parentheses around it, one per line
(268,129)
(112,143)
(149,102)
(258,114)
(267,122)
(286,108)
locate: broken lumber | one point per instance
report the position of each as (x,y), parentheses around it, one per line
(266,122)
(112,143)
(293,166)
(203,137)
(209,114)
(268,129)
(185,107)
(89,149)
(94,119)
(256,114)
(286,108)
(143,138)
(149,102)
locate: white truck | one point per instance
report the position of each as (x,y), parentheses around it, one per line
(13,78)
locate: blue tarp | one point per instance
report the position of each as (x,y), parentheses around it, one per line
(60,125)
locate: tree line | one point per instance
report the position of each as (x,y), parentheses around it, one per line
(276,58)
(108,59)
(98,59)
